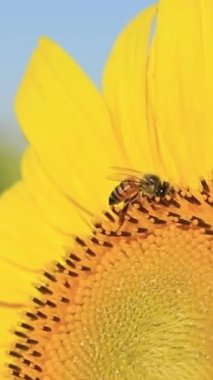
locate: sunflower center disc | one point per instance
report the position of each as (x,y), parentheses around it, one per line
(130,302)
(145,313)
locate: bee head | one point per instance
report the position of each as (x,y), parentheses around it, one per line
(163,189)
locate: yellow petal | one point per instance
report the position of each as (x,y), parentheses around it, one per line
(159,85)
(16,282)
(67,123)
(58,210)
(26,238)
(125,90)
(183,87)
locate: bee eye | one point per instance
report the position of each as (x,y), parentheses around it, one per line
(161,192)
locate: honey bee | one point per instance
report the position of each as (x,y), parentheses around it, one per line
(136,184)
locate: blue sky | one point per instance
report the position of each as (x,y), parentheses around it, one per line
(86,29)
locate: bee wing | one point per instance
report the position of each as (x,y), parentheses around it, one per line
(127,171)
(121,174)
(119,177)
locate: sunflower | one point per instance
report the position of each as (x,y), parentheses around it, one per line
(90,292)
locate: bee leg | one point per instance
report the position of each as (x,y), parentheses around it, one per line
(122,214)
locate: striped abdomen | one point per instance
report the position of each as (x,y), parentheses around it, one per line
(122,192)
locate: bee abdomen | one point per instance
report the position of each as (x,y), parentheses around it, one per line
(113,199)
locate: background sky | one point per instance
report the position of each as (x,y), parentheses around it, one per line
(86,29)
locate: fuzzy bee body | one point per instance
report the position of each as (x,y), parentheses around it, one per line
(130,188)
